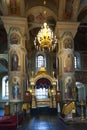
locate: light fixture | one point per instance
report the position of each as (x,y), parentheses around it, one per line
(45,39)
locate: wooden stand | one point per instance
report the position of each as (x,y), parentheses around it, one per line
(7,110)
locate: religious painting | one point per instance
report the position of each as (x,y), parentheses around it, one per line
(69,63)
(36,16)
(67,43)
(15,89)
(40,17)
(68,87)
(14,62)
(14,38)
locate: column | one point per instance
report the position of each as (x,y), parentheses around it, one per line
(75,9)
(16,28)
(33,105)
(22,7)
(65,32)
(61,9)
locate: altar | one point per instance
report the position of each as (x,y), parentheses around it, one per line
(43,89)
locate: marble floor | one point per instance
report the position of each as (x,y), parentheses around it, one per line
(42,122)
(48,122)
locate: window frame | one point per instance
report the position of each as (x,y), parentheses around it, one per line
(40,62)
(5,88)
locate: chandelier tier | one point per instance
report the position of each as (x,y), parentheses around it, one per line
(45,39)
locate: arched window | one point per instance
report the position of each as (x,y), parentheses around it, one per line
(75,62)
(40,60)
(5,89)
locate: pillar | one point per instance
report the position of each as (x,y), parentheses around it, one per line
(61,9)
(65,31)
(75,9)
(16,28)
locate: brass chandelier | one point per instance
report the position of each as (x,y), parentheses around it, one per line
(45,39)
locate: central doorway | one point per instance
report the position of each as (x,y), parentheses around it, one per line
(43,92)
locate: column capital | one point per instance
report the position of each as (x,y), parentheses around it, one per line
(20,22)
(62,27)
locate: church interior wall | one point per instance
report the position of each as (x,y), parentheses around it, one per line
(33,14)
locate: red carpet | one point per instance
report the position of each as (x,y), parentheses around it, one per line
(9,122)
